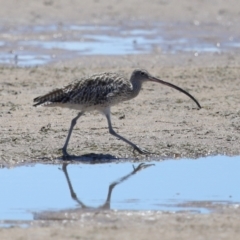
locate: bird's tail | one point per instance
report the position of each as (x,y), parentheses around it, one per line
(51,97)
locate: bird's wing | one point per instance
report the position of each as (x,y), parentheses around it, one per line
(94,90)
(100,89)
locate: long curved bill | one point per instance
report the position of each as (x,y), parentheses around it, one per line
(153,79)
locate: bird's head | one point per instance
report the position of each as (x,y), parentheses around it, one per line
(140,75)
(143,76)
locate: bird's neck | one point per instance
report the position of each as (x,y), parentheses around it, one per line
(136,87)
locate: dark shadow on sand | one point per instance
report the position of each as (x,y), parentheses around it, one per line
(93,158)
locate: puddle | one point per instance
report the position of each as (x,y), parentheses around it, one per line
(171,185)
(25,59)
(12,224)
(31,46)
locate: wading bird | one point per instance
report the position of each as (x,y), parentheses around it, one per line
(100,92)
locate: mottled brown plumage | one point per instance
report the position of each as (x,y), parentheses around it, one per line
(100,92)
(91,93)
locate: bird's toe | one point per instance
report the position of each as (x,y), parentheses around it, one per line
(141,150)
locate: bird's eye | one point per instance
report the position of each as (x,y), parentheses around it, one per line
(142,73)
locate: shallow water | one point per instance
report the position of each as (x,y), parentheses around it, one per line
(31,46)
(170,185)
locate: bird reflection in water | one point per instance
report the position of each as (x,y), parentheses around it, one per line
(106,204)
(73,214)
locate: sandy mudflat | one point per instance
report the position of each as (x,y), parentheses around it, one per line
(159,119)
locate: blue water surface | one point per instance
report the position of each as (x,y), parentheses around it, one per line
(164,186)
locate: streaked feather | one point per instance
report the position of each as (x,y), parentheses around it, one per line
(98,89)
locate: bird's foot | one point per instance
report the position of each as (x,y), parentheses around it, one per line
(67,156)
(141,150)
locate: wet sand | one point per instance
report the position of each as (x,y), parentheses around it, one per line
(133,225)
(159,119)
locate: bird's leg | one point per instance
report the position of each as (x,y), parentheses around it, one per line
(73,123)
(111,131)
